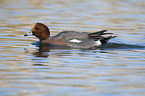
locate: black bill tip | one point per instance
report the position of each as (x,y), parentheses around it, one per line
(26,35)
(29,34)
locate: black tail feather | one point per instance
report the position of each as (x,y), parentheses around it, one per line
(106,39)
(102,35)
(98,33)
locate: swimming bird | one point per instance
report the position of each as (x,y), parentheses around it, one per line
(73,39)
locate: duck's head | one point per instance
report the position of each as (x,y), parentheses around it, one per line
(40,30)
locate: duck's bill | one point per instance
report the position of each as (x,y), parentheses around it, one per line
(29,34)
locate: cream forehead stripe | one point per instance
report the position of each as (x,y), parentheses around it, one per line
(75,41)
(33,26)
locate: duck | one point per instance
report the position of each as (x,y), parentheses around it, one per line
(73,39)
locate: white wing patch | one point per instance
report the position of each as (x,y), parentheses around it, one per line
(75,41)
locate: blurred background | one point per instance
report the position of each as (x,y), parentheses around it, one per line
(27,70)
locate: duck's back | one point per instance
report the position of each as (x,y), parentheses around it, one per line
(74,39)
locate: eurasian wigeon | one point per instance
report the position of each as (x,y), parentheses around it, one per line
(72,39)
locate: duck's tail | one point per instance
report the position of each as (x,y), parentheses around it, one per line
(102,35)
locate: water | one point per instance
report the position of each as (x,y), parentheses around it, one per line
(115,69)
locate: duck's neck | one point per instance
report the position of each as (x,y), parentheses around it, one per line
(44,37)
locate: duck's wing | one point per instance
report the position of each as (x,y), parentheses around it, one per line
(67,35)
(75,39)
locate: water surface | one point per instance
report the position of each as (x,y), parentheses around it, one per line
(115,69)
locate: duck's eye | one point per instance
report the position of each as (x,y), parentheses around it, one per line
(36,28)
